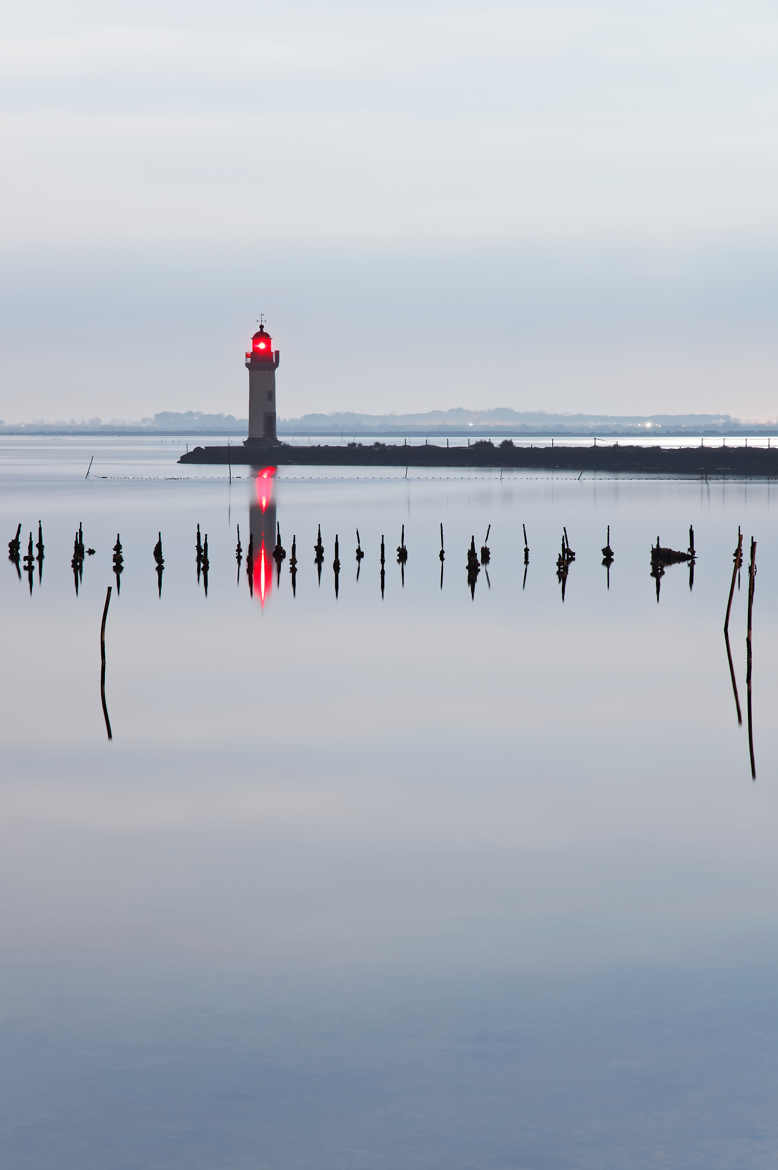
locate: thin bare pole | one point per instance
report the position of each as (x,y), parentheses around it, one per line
(102,662)
(89,468)
(751,582)
(732,677)
(737,561)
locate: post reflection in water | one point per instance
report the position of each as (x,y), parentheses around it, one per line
(263,528)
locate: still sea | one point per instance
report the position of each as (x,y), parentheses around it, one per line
(446,877)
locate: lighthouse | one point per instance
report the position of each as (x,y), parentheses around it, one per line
(262,362)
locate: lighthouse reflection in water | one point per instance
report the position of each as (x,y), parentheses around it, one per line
(262,525)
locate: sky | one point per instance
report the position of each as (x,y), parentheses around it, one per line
(555,206)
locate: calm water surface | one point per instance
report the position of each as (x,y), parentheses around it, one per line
(423,881)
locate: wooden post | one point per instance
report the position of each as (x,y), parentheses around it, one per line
(751,582)
(105,618)
(102,662)
(732,678)
(737,560)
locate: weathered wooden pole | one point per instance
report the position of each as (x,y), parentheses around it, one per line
(102,662)
(737,560)
(336,565)
(607,552)
(751,583)
(402,551)
(732,677)
(250,564)
(293,565)
(485,554)
(102,623)
(118,562)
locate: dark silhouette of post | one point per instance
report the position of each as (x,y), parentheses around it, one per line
(39,552)
(486,556)
(102,662)
(318,550)
(336,565)
(473,567)
(160,563)
(118,562)
(279,553)
(250,564)
(737,561)
(749,657)
(293,565)
(607,557)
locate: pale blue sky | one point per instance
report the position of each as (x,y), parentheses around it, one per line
(564,206)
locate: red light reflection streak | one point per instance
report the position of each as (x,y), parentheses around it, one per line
(263,571)
(263,574)
(264,483)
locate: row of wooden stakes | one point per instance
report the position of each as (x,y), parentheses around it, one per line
(476,559)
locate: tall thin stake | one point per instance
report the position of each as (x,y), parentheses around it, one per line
(102,662)
(751,582)
(737,561)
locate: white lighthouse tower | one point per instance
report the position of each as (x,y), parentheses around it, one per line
(262,362)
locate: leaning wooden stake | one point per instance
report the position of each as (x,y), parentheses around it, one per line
(102,661)
(737,561)
(102,623)
(751,582)
(733,680)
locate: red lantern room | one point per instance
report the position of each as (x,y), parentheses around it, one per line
(261,348)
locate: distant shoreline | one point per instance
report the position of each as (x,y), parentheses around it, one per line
(416,435)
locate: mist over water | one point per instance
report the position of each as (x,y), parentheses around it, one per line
(409,881)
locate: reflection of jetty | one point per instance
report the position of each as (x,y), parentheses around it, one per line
(721,460)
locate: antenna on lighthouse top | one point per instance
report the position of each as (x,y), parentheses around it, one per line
(262,320)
